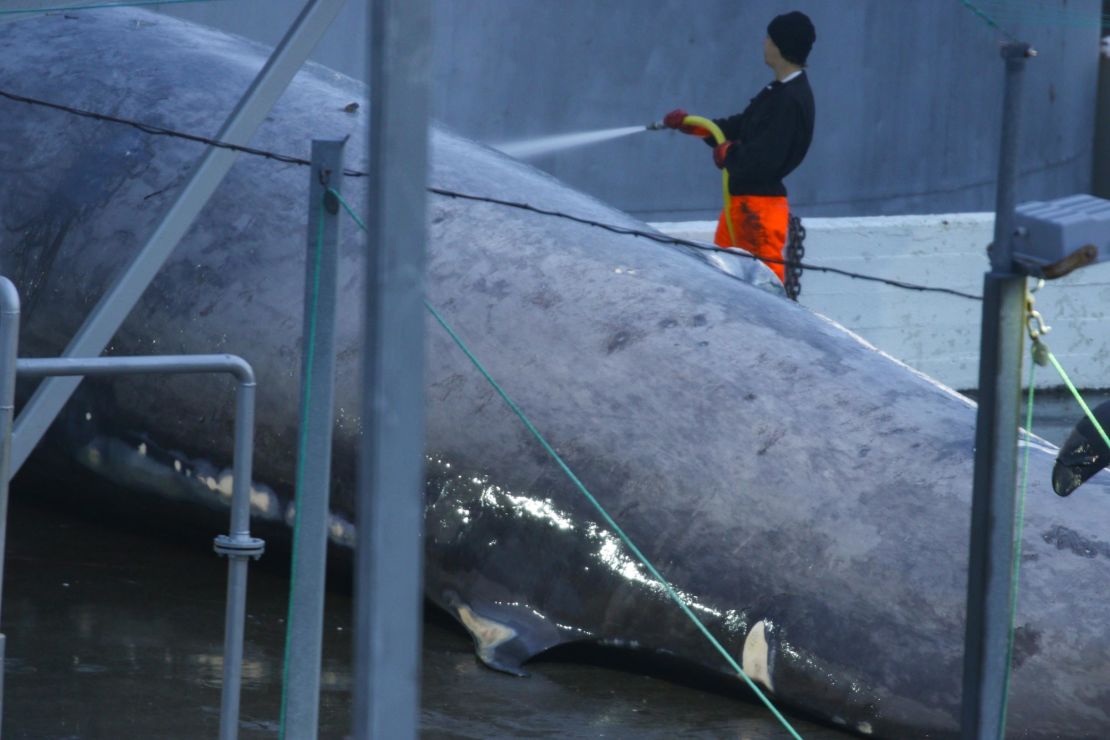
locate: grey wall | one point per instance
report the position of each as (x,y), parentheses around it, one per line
(908,92)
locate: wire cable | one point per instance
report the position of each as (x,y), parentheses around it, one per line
(665,239)
(154,130)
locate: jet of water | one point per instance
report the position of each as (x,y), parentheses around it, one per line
(547,144)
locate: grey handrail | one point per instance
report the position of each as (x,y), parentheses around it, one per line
(237,545)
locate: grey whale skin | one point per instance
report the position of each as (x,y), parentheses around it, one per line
(807,494)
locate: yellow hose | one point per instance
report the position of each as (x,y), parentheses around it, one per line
(719,137)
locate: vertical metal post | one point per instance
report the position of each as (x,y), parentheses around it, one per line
(9,347)
(239,547)
(301,699)
(389,558)
(991,556)
(117,302)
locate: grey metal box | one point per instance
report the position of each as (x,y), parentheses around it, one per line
(1048,231)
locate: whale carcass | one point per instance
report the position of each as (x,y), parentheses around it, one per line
(808,495)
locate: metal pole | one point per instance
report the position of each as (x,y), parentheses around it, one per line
(239,547)
(9,348)
(389,558)
(114,306)
(303,640)
(991,555)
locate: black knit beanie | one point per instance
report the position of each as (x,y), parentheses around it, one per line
(794,35)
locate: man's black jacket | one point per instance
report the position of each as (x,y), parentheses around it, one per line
(770,138)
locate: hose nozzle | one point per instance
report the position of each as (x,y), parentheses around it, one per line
(657,126)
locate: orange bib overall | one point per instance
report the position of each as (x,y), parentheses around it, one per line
(761,223)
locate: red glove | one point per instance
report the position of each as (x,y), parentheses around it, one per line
(675,118)
(720,154)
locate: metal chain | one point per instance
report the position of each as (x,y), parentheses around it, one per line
(1036,326)
(795,252)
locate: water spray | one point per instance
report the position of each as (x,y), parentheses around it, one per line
(549,144)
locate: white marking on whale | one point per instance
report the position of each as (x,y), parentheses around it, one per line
(756,656)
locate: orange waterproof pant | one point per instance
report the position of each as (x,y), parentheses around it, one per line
(761,223)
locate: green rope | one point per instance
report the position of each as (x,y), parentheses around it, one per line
(1027,14)
(609,520)
(1078,398)
(987,19)
(596,504)
(1019,517)
(302,443)
(97,6)
(1033,13)
(347,208)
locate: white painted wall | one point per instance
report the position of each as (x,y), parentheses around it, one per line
(939,334)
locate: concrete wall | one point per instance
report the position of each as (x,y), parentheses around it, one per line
(939,334)
(908,92)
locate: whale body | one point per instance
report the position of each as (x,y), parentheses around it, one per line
(807,495)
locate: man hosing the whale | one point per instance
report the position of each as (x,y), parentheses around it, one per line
(764,144)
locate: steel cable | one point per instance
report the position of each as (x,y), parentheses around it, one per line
(154,130)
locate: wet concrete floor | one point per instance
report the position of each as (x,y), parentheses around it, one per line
(116,633)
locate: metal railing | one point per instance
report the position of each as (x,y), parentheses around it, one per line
(238,545)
